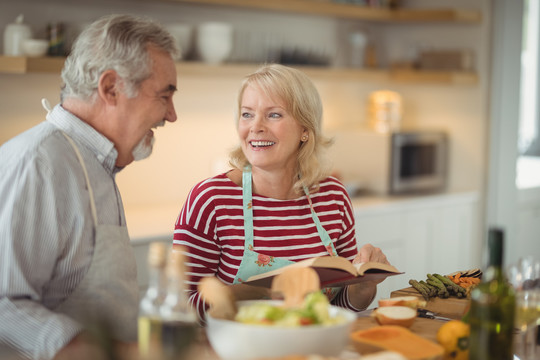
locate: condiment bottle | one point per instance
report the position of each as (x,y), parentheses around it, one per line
(179,322)
(491,315)
(149,327)
(14,35)
(55,35)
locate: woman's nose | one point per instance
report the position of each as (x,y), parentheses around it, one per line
(258,124)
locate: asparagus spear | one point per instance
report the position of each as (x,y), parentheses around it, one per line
(432,280)
(415,284)
(455,287)
(432,289)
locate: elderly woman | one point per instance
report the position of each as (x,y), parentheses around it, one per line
(278,205)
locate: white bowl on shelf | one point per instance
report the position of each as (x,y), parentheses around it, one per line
(233,340)
(214,41)
(35,47)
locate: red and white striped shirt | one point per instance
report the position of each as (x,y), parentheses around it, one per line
(211,228)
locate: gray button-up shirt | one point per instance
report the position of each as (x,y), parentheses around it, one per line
(46,226)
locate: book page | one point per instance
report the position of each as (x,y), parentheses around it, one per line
(372,266)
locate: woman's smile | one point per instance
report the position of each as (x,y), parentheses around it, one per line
(261,144)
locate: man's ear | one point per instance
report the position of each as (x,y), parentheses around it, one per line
(108,88)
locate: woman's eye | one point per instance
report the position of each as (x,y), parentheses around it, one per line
(274,115)
(246,115)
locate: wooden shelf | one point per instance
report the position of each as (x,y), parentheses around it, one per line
(27,65)
(24,65)
(349,11)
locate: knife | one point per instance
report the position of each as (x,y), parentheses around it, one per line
(423,313)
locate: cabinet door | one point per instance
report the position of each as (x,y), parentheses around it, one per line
(383,230)
(453,240)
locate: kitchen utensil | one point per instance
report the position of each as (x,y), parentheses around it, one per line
(431,315)
(214,41)
(295,284)
(233,340)
(219,296)
(14,35)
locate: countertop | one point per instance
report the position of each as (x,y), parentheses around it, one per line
(156,222)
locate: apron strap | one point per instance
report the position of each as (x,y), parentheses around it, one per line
(247,207)
(90,191)
(248,215)
(325,238)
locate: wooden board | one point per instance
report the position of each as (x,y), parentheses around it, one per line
(452,307)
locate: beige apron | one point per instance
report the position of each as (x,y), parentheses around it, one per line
(108,294)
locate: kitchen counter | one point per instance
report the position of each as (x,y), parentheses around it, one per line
(372,204)
(156,222)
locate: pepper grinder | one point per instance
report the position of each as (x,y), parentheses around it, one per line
(14,35)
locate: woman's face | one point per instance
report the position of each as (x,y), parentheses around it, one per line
(269,135)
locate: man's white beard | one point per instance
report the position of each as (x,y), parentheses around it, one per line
(143,149)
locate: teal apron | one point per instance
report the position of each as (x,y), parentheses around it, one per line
(254,263)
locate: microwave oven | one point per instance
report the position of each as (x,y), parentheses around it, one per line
(395,162)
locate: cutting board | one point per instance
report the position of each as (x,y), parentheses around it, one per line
(451,307)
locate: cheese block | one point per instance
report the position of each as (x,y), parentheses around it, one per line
(451,307)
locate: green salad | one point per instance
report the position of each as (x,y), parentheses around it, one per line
(314,311)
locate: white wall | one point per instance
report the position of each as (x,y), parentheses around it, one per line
(194,147)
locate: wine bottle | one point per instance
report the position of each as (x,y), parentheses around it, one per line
(178,320)
(149,327)
(492,310)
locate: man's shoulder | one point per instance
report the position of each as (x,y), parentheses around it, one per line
(38,147)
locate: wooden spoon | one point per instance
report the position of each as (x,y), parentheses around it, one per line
(219,296)
(295,284)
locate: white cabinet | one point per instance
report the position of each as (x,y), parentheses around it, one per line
(420,235)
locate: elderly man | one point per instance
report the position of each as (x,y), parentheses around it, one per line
(65,255)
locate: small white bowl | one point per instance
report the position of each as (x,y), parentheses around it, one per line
(233,340)
(214,41)
(35,47)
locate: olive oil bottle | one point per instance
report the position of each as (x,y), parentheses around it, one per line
(491,315)
(178,320)
(149,325)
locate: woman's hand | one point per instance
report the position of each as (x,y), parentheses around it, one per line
(369,253)
(362,294)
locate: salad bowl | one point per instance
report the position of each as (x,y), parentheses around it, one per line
(236,340)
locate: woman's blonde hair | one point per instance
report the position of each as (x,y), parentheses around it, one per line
(303,102)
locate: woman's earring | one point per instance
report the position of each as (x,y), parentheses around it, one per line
(304,138)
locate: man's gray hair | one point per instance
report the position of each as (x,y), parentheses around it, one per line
(114,42)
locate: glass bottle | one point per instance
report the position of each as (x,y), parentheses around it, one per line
(149,327)
(179,322)
(492,309)
(55,35)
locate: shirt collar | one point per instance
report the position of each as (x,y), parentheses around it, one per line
(84,134)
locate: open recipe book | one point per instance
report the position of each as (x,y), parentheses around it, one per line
(332,271)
